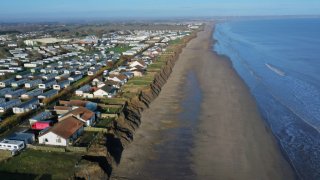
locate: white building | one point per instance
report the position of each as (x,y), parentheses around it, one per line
(63,133)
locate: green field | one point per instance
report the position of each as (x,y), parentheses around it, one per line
(30,164)
(119,49)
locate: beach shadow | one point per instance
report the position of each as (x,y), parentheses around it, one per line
(102,161)
(114,147)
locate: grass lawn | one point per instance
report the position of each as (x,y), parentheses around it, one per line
(139,82)
(111,110)
(103,123)
(48,164)
(86,139)
(119,49)
(120,101)
(173,42)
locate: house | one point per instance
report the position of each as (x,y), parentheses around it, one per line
(47,84)
(83,114)
(18,83)
(15,94)
(138,72)
(63,133)
(33,83)
(138,63)
(6,82)
(84,89)
(26,106)
(48,94)
(79,103)
(75,78)
(113,84)
(5,91)
(31,94)
(23,75)
(27,138)
(41,117)
(128,74)
(105,91)
(62,109)
(62,76)
(2,100)
(61,85)
(49,76)
(118,78)
(92,72)
(8,105)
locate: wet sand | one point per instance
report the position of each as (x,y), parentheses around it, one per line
(204,125)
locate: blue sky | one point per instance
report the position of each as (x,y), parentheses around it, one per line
(69,9)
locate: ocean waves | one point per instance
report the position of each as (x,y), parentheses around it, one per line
(282,76)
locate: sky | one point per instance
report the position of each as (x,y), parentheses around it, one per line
(91,9)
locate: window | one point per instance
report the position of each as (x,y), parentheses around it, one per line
(16,147)
(58,140)
(46,140)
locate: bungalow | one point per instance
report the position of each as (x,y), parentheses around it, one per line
(75,78)
(5,91)
(138,71)
(18,83)
(49,76)
(27,138)
(35,70)
(23,75)
(128,74)
(83,114)
(79,103)
(8,105)
(31,94)
(118,78)
(6,82)
(84,89)
(113,84)
(62,109)
(105,91)
(138,63)
(48,94)
(33,83)
(26,106)
(40,117)
(92,72)
(47,84)
(63,133)
(62,76)
(61,85)
(15,94)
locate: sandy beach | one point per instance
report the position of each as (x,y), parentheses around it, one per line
(204,125)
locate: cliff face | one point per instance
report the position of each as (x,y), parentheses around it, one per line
(129,119)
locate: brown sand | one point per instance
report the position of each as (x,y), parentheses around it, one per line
(231,141)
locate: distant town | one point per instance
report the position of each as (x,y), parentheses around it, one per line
(58,92)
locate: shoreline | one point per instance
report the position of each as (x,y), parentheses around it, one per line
(238,147)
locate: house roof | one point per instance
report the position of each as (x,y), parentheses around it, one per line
(73,103)
(66,128)
(84,113)
(62,108)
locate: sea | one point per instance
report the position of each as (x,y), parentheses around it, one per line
(279,60)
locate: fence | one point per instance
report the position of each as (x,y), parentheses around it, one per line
(46,148)
(95,129)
